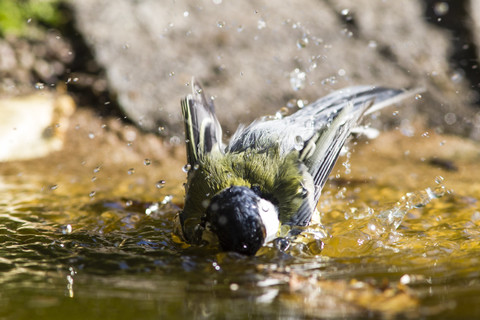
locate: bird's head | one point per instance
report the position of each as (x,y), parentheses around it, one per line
(242,220)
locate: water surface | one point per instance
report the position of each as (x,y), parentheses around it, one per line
(399,237)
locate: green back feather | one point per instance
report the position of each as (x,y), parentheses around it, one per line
(280,177)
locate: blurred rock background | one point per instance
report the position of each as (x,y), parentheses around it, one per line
(135,59)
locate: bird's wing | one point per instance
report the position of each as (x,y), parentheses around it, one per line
(318,132)
(203,132)
(293,131)
(322,149)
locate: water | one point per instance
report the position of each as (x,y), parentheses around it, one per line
(400,241)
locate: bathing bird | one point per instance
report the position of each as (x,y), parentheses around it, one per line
(271,172)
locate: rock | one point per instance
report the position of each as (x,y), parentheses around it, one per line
(26,62)
(7,57)
(33,126)
(255,57)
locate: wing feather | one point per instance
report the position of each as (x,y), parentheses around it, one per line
(203,132)
(322,150)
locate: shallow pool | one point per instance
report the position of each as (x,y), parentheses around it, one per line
(400,236)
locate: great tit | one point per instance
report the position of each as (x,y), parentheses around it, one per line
(272,171)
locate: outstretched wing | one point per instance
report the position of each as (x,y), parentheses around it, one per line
(323,148)
(318,132)
(203,132)
(294,131)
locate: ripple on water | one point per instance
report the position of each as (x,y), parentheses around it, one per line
(382,242)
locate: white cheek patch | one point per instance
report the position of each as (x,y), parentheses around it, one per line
(269,216)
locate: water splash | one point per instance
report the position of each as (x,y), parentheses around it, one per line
(366,229)
(297,79)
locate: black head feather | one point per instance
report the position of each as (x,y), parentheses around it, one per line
(235,219)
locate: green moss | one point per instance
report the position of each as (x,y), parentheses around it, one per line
(17,17)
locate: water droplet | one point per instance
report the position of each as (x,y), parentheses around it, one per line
(346,165)
(91,135)
(297,79)
(39,86)
(220,24)
(393,217)
(437,192)
(372,44)
(152,209)
(347,32)
(291,103)
(67,229)
(309,123)
(186,168)
(405,279)
(128,203)
(261,24)
(329,80)
(450,118)
(217,1)
(160,184)
(240,28)
(216,266)
(167,199)
(341,193)
(302,42)
(441,8)
(161,129)
(234,287)
(417,199)
(131,171)
(457,76)
(283,111)
(96,170)
(147,162)
(418,96)
(341,72)
(94,178)
(171,74)
(29,20)
(185,14)
(54,187)
(395,113)
(175,140)
(426,134)
(299,143)
(301,103)
(439,179)
(92,194)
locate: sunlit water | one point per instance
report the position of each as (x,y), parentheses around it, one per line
(401,241)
